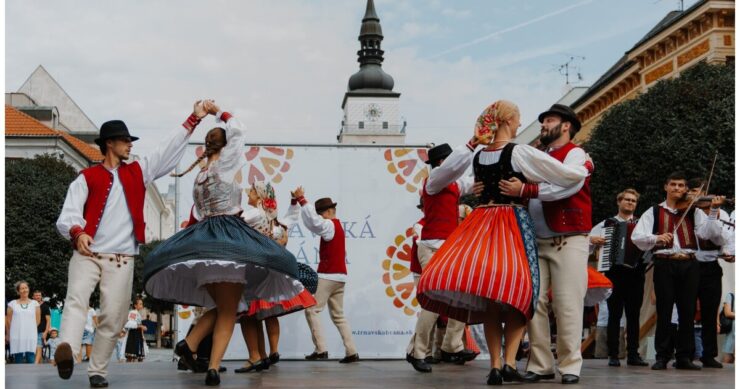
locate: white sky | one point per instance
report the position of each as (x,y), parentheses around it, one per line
(283,66)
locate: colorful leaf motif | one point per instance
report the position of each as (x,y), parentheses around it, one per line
(397,274)
(408,167)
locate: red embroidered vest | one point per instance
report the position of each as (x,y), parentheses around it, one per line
(99,181)
(415,264)
(332,254)
(572,214)
(666,221)
(440,212)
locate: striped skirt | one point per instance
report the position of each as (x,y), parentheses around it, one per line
(490,258)
(262,309)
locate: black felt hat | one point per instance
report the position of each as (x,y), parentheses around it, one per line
(113,129)
(438,152)
(322,205)
(564,112)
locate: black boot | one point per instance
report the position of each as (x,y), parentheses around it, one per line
(636,360)
(686,364)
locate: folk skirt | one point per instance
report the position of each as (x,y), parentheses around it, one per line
(220,249)
(491,258)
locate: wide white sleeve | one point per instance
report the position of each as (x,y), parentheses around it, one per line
(556,180)
(317,224)
(231,158)
(252,215)
(643,236)
(450,170)
(708,227)
(465,184)
(73,208)
(292,216)
(598,230)
(166,156)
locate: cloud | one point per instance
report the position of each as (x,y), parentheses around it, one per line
(457,13)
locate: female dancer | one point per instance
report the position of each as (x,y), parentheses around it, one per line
(219,260)
(263,217)
(487,271)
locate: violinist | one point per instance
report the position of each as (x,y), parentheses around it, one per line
(671,234)
(710,273)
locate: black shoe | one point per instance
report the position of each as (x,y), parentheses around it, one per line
(614,361)
(710,363)
(432,360)
(534,377)
(64,360)
(569,379)
(511,374)
(317,356)
(459,357)
(200,366)
(350,358)
(263,364)
(495,377)
(419,364)
(221,369)
(636,361)
(212,378)
(98,381)
(659,364)
(182,350)
(247,369)
(686,364)
(274,358)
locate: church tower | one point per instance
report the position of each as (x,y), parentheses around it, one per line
(371,107)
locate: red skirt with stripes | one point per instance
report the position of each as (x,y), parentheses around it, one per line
(261,309)
(483,261)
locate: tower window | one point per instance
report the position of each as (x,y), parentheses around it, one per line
(385,125)
(361,125)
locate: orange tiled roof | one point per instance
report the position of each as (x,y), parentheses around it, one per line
(18,123)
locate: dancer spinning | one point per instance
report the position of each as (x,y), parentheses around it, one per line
(486,271)
(220,259)
(103,215)
(263,217)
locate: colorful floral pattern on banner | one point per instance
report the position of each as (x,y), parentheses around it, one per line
(408,166)
(397,275)
(267,164)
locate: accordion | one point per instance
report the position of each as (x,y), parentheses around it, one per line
(618,249)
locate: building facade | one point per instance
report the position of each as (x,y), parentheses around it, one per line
(703,32)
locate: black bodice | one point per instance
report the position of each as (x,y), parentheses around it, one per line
(490,175)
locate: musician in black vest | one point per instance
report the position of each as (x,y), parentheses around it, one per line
(628,279)
(671,234)
(710,281)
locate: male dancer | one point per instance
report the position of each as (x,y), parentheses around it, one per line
(710,280)
(321,219)
(103,216)
(672,236)
(440,197)
(628,281)
(562,220)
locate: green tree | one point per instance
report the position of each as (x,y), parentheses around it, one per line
(34,251)
(677,125)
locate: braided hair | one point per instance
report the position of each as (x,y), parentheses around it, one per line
(215,141)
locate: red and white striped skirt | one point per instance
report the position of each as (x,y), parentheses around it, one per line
(483,261)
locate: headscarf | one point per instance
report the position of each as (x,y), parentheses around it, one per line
(492,117)
(267,203)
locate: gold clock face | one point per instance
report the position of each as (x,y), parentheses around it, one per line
(373,112)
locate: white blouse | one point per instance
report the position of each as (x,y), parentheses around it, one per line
(23,335)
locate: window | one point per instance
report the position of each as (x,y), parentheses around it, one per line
(361,125)
(385,125)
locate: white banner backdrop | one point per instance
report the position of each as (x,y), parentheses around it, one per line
(376,189)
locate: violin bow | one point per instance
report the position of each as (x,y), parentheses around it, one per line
(701,188)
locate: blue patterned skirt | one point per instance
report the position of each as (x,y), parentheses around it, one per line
(220,249)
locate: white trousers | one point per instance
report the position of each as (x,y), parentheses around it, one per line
(115,273)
